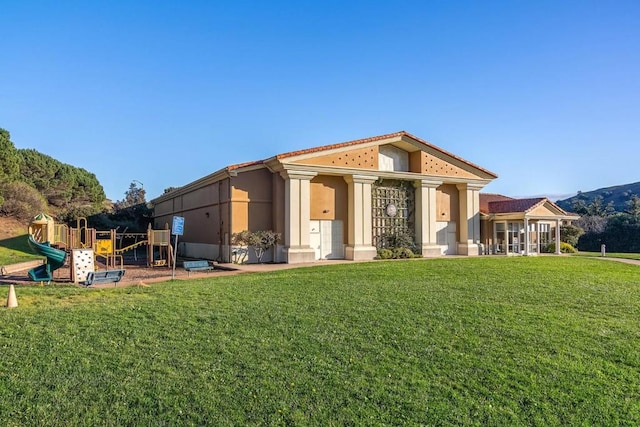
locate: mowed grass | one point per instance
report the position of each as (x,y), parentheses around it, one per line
(477,341)
(14,250)
(623,255)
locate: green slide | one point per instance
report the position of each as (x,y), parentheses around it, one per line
(55,260)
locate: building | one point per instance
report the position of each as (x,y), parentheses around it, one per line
(520,226)
(340,201)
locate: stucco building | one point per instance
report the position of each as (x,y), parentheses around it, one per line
(340,201)
(520,226)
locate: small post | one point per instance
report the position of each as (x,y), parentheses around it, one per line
(603,250)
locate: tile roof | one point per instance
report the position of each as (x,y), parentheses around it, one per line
(514,205)
(357,142)
(486,198)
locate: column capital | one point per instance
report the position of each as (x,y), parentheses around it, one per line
(470,186)
(426,183)
(298,174)
(360,179)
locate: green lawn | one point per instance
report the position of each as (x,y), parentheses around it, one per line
(477,341)
(609,255)
(15,250)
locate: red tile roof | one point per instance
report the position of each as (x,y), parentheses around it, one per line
(514,205)
(362,141)
(486,198)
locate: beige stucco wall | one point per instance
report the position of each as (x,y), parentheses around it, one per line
(362,158)
(251,201)
(329,200)
(542,211)
(432,165)
(447,203)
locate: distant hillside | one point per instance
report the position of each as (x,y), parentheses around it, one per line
(619,195)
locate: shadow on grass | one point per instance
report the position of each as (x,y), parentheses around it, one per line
(16,249)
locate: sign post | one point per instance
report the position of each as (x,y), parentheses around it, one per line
(177,229)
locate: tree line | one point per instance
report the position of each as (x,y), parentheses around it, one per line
(32,182)
(601,224)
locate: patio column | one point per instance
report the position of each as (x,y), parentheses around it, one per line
(359,243)
(426,217)
(297,216)
(526,236)
(469,243)
(558,237)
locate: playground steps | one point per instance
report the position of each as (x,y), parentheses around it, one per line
(21,266)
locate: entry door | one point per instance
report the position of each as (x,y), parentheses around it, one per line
(446,237)
(326,239)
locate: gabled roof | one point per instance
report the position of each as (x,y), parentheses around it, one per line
(514,205)
(486,198)
(494,204)
(326,148)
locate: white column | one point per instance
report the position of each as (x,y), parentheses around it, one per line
(426,217)
(526,236)
(359,244)
(558,237)
(297,216)
(469,240)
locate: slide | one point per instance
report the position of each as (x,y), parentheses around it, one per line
(55,260)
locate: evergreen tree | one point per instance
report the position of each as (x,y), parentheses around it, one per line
(9,158)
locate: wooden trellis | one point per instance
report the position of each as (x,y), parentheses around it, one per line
(393,210)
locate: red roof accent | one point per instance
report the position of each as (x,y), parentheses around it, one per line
(380,138)
(486,198)
(514,205)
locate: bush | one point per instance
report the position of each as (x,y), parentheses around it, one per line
(565,248)
(385,254)
(22,201)
(261,241)
(402,253)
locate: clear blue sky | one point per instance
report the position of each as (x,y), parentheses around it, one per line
(544,93)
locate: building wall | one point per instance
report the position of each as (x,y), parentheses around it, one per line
(251,201)
(447,203)
(362,158)
(206,219)
(329,200)
(432,165)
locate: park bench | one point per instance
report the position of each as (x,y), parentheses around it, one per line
(105,276)
(198,265)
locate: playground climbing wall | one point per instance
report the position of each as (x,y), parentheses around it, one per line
(81,264)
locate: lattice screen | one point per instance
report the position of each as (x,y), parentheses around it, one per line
(393,210)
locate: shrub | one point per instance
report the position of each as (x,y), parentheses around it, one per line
(402,253)
(261,241)
(22,201)
(565,248)
(385,254)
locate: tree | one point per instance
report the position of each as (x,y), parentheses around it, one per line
(21,201)
(596,207)
(260,241)
(570,234)
(9,158)
(133,196)
(633,206)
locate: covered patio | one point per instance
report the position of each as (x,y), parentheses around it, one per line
(521,226)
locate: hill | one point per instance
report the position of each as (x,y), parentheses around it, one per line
(617,195)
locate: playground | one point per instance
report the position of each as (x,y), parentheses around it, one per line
(86,256)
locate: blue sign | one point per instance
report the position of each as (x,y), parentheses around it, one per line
(177,229)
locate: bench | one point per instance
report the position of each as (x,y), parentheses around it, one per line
(105,276)
(199,265)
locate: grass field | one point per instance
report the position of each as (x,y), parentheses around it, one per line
(610,255)
(477,341)
(16,249)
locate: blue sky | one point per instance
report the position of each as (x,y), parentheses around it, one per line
(544,93)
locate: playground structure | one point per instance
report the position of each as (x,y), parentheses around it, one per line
(87,245)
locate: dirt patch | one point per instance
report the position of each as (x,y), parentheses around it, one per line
(11,227)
